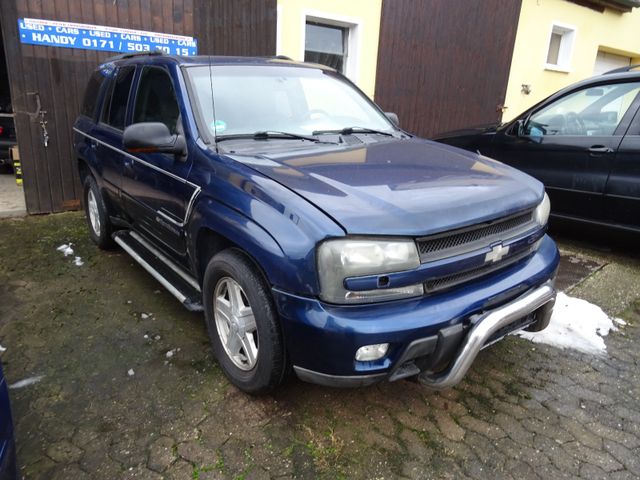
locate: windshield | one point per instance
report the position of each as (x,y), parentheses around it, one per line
(250,99)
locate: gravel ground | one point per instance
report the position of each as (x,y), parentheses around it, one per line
(129,389)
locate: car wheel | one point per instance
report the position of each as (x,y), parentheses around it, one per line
(242,323)
(100,227)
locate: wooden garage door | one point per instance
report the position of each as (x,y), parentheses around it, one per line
(444,64)
(57,76)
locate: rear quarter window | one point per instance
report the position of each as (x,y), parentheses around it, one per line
(116,100)
(91,93)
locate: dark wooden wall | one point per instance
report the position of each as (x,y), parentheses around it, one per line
(444,64)
(59,75)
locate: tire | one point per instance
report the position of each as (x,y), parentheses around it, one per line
(240,315)
(100,228)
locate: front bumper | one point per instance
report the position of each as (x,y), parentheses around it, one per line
(428,333)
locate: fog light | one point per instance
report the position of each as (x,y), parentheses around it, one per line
(372,352)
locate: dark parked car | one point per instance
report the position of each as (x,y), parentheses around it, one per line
(315,234)
(7,140)
(582,142)
(8,469)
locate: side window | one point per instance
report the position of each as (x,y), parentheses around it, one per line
(114,114)
(156,99)
(91,93)
(593,111)
(326,44)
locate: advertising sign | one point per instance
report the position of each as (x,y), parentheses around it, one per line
(97,37)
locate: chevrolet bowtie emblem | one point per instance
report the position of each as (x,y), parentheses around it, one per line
(497,252)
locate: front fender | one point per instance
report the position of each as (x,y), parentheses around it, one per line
(294,273)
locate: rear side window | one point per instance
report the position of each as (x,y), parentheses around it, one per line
(91,93)
(115,110)
(156,99)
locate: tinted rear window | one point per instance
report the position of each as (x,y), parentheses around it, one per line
(115,106)
(91,93)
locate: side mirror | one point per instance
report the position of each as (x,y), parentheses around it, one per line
(520,128)
(153,137)
(393,117)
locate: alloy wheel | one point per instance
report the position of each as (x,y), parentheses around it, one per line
(235,323)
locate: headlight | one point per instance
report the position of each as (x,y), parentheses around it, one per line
(339,259)
(541,214)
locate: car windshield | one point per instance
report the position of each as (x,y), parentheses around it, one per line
(302,101)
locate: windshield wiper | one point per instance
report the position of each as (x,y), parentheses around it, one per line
(267,134)
(276,134)
(352,130)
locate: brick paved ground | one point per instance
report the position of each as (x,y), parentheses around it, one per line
(524,411)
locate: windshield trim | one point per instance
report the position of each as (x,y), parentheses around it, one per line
(209,138)
(203,133)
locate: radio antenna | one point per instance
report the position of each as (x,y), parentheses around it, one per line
(213,103)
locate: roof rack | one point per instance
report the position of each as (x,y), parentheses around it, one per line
(134,54)
(622,69)
(283,57)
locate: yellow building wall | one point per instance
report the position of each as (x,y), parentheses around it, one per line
(365,14)
(610,31)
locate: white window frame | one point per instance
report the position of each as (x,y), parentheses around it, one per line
(279,30)
(354,30)
(568,37)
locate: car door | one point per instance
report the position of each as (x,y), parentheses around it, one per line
(622,193)
(155,185)
(107,134)
(570,143)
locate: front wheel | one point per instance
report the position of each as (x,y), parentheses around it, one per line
(242,323)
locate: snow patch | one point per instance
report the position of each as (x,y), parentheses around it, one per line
(3,349)
(130,372)
(78,262)
(575,324)
(144,316)
(26,382)
(65,249)
(171,353)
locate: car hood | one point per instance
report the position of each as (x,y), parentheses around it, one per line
(399,187)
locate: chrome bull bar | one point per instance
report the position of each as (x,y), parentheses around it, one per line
(540,300)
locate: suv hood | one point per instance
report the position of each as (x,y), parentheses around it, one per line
(398,187)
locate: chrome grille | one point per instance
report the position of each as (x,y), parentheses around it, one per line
(467,239)
(442,283)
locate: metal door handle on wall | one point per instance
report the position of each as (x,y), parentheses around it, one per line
(39,114)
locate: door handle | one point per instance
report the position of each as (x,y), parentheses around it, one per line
(600,149)
(93,144)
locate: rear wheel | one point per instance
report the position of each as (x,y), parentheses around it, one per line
(100,228)
(242,323)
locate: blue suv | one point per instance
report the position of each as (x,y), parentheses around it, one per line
(8,468)
(313,232)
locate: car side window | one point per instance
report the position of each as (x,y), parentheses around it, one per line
(592,111)
(90,100)
(115,110)
(156,99)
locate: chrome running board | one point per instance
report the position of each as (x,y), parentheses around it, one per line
(171,276)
